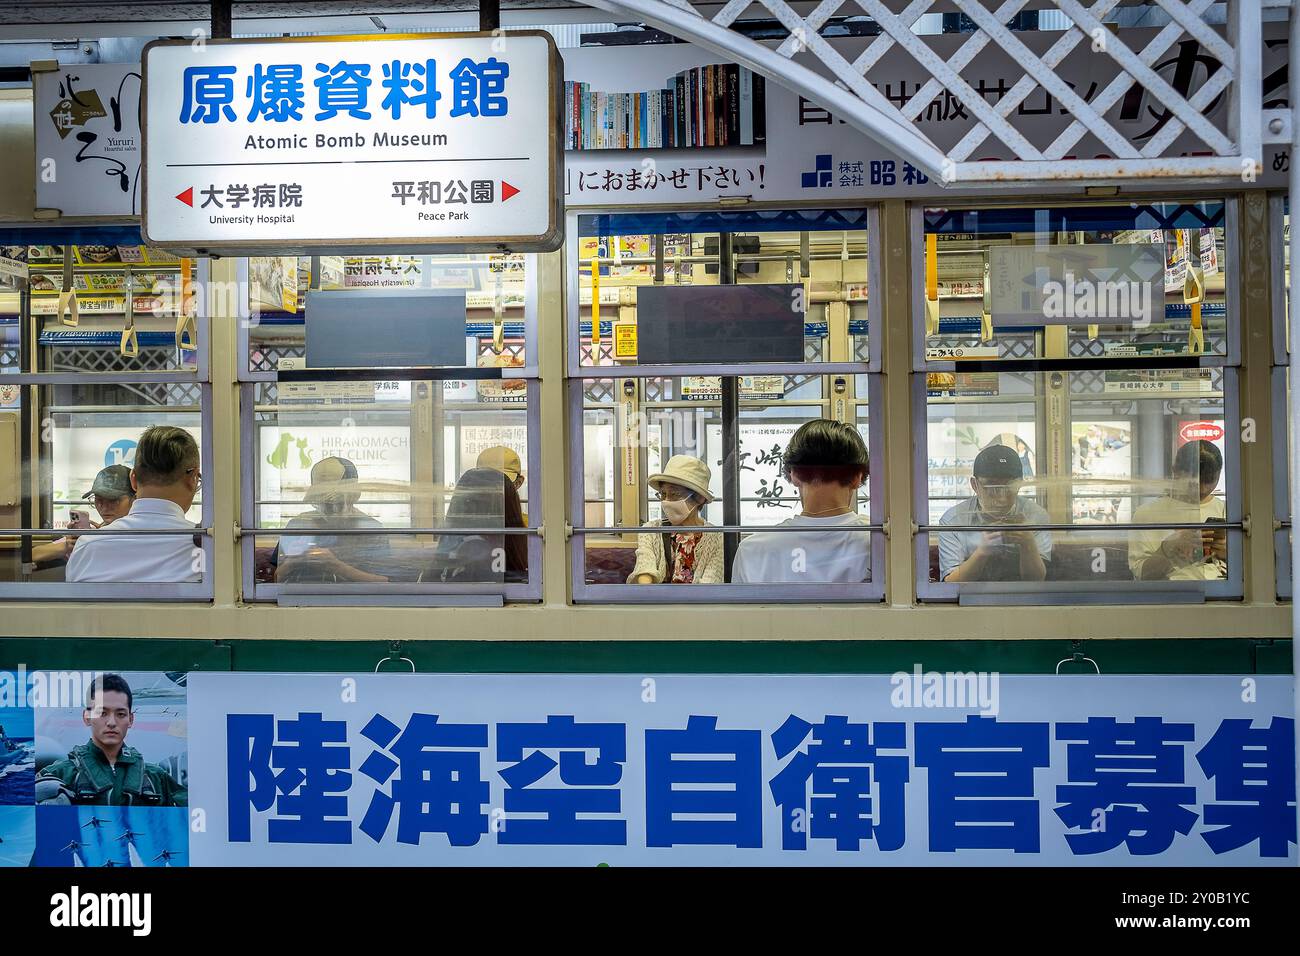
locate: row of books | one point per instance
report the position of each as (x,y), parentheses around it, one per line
(722,104)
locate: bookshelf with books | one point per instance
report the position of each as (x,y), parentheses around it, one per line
(717,105)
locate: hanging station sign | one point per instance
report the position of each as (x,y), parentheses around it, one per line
(364,144)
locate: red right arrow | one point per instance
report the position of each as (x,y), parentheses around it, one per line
(187,197)
(507,190)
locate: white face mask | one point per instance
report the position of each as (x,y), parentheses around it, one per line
(677,511)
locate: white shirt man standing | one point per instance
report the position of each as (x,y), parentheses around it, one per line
(166,479)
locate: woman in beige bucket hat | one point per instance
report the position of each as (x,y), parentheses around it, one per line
(680,556)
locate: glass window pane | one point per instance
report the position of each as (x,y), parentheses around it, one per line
(367,475)
(494,286)
(655,454)
(131,291)
(1117,282)
(80,461)
(827,270)
(1010,452)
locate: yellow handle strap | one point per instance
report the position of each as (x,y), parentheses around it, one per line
(932,284)
(986,317)
(130,344)
(595,309)
(186,331)
(1194,295)
(69,309)
(498,320)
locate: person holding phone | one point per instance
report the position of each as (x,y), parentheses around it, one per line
(1002,553)
(111,494)
(1195,554)
(332,558)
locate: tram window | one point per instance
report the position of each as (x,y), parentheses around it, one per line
(381,483)
(1065,481)
(821,273)
(72,431)
(654,456)
(84,463)
(496,289)
(1099,282)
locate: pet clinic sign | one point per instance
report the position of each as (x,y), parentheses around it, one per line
(358,143)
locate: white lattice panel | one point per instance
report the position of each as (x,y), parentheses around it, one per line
(1212,128)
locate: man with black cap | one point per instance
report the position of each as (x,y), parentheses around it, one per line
(333,495)
(1005,554)
(111,494)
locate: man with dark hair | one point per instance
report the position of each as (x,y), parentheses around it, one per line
(1187,554)
(827,462)
(166,479)
(104,771)
(1004,554)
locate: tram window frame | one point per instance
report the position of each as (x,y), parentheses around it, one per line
(1279,251)
(33,384)
(1281,481)
(1080,592)
(580,376)
(487,594)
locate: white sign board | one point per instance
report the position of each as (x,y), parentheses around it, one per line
(363,143)
(87,134)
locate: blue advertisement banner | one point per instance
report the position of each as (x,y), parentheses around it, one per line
(914,768)
(910,769)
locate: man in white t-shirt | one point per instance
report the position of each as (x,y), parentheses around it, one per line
(1002,553)
(827,462)
(1187,554)
(166,479)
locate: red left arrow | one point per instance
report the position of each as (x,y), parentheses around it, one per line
(187,197)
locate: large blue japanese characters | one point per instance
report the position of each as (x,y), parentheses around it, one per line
(501,769)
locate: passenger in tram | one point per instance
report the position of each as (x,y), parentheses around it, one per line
(505,460)
(483,498)
(1197,554)
(333,495)
(111,494)
(1005,554)
(680,556)
(166,480)
(827,461)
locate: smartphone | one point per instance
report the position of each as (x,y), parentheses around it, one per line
(1208,550)
(80,521)
(293,545)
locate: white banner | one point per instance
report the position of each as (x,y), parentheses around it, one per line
(368,143)
(87,132)
(911,769)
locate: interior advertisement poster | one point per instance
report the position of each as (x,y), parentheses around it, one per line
(87,118)
(245,146)
(952,446)
(287,451)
